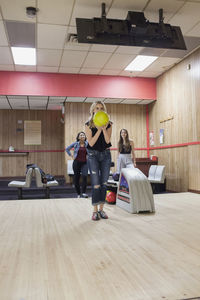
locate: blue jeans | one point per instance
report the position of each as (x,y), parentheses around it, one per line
(99,166)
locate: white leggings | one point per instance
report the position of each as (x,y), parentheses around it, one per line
(124,161)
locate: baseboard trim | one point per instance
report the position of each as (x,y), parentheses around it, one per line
(194,191)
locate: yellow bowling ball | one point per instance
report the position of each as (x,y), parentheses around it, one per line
(101,118)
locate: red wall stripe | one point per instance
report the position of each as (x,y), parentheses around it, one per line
(76,85)
(147,129)
(113,149)
(175,145)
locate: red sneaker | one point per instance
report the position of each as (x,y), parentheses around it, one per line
(102,214)
(95,216)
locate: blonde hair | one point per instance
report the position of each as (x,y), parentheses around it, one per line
(92,107)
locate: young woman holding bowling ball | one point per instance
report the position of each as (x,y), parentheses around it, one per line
(99,159)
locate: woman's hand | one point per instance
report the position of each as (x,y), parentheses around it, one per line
(102,127)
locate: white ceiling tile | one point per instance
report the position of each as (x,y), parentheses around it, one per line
(130,101)
(4,106)
(25,68)
(55,12)
(47,69)
(174,53)
(4,103)
(16,98)
(42,99)
(71,30)
(89,71)
(111,100)
(75,99)
(169,8)
(20,107)
(103,48)
(195,31)
(16,10)
(3,98)
(144,102)
(56,100)
(69,70)
(5,56)
(3,38)
(162,64)
(91,100)
(191,42)
(120,8)
(152,51)
(187,17)
(150,74)
(110,72)
(19,104)
(7,68)
(73,59)
(128,50)
(39,102)
(77,47)
(129,74)
(49,57)
(51,36)
(96,59)
(38,108)
(87,9)
(119,61)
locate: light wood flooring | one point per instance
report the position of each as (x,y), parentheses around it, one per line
(51,250)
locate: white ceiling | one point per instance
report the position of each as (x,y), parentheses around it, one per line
(56,103)
(55,21)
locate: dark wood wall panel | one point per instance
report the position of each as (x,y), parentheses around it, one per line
(12,133)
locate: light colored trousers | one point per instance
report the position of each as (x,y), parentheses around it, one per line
(124,161)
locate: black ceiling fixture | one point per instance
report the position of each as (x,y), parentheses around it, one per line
(31,11)
(135,30)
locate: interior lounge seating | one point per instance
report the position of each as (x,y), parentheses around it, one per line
(22,184)
(157,178)
(47,185)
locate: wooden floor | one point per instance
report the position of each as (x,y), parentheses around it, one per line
(51,250)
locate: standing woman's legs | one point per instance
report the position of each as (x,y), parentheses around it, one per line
(94,167)
(120,162)
(84,172)
(128,162)
(104,174)
(77,173)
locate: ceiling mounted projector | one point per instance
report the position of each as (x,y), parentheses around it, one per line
(135,30)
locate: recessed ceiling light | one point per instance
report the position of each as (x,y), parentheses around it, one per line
(140,63)
(24,56)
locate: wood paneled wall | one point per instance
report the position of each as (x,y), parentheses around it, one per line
(11,133)
(131,117)
(178,96)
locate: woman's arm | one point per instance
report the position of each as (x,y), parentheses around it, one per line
(92,139)
(133,153)
(107,133)
(69,148)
